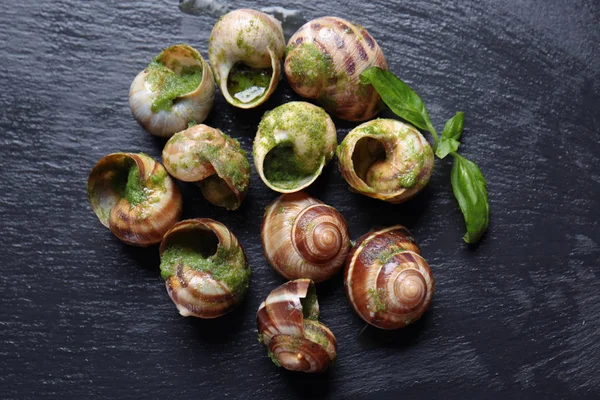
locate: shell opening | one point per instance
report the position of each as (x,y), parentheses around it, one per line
(216,190)
(284,170)
(247,84)
(368,152)
(202,241)
(310,305)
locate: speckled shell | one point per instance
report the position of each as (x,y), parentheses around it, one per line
(304,238)
(290,330)
(293,123)
(145,223)
(250,37)
(197,293)
(387,282)
(193,106)
(386,159)
(213,160)
(324,60)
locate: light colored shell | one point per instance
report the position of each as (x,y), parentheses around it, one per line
(304,238)
(310,134)
(193,106)
(288,326)
(144,223)
(386,159)
(251,38)
(387,282)
(324,60)
(213,160)
(205,268)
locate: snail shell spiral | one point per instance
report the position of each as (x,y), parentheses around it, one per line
(133,196)
(304,238)
(288,326)
(324,60)
(205,268)
(387,282)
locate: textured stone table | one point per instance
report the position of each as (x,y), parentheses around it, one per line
(84,316)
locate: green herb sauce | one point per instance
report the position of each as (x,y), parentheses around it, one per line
(169,85)
(225,265)
(377,299)
(309,66)
(248,84)
(134,192)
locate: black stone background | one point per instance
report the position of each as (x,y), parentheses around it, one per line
(84,316)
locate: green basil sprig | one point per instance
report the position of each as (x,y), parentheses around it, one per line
(468,183)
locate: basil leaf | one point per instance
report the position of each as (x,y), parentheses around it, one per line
(454,127)
(470,190)
(399,97)
(446,146)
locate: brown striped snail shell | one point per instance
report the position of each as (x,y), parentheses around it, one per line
(213,160)
(205,268)
(288,326)
(387,282)
(386,159)
(304,238)
(324,60)
(245,50)
(176,88)
(133,196)
(293,144)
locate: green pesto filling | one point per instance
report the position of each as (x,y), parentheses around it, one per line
(225,265)
(158,179)
(134,192)
(377,299)
(309,66)
(247,84)
(169,85)
(283,168)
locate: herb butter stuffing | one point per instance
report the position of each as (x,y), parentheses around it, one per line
(227,265)
(309,66)
(134,192)
(169,85)
(299,156)
(246,84)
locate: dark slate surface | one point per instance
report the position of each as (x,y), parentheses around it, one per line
(84,316)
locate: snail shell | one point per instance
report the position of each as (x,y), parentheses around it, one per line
(293,144)
(386,159)
(212,159)
(324,60)
(177,87)
(387,282)
(304,238)
(245,50)
(133,196)
(288,326)
(205,268)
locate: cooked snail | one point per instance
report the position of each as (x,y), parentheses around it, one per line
(212,159)
(288,325)
(245,50)
(133,196)
(386,159)
(387,282)
(304,238)
(205,268)
(324,60)
(293,144)
(176,88)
